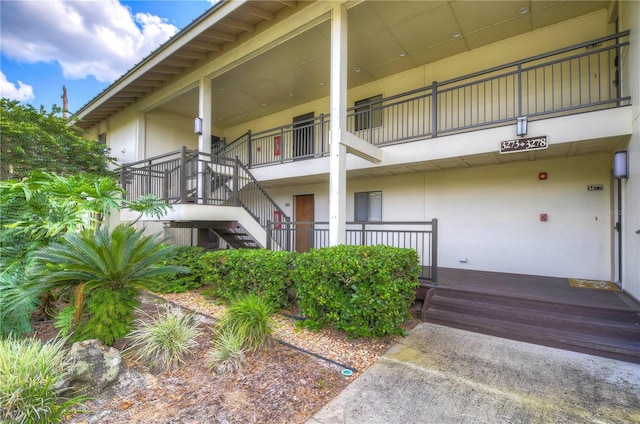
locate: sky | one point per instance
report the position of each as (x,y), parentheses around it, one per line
(84,45)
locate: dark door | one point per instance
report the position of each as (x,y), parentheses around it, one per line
(303,211)
(303,135)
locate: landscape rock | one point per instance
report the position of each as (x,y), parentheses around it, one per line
(92,366)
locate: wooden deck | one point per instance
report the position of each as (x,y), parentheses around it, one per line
(536,309)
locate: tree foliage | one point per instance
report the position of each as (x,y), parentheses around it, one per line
(40,210)
(44,206)
(35,139)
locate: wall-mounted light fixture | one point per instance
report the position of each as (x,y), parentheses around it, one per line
(620,165)
(521,126)
(197,126)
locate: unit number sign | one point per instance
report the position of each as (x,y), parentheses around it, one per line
(524,144)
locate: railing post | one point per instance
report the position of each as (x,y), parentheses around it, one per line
(434,251)
(123,178)
(236,170)
(363,234)
(321,132)
(269,234)
(183,174)
(519,89)
(281,145)
(249,150)
(434,109)
(370,124)
(165,186)
(149,180)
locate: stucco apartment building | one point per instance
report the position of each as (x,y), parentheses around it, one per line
(515,124)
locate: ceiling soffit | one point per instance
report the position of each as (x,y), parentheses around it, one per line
(385,37)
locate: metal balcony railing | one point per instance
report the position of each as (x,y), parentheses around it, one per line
(580,78)
(190,176)
(420,236)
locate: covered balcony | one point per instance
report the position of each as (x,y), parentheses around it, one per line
(573,80)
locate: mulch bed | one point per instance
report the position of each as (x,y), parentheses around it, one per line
(296,376)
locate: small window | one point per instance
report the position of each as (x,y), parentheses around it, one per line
(368,206)
(369,113)
(102,138)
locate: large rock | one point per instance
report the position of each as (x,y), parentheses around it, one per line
(92,366)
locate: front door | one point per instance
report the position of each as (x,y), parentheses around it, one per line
(303,135)
(303,212)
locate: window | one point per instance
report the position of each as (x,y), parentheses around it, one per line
(102,138)
(368,206)
(369,113)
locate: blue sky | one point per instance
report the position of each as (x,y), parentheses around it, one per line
(83,45)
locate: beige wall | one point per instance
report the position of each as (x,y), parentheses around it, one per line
(493,217)
(167,132)
(122,137)
(630,19)
(491,214)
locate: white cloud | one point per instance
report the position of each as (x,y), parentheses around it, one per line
(99,38)
(9,90)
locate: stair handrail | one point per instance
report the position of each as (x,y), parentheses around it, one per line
(235,146)
(275,206)
(238,165)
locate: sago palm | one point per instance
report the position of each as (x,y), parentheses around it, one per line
(108,270)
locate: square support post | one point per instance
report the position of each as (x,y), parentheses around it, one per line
(338,151)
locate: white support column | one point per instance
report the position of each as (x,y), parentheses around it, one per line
(338,110)
(204,138)
(204,112)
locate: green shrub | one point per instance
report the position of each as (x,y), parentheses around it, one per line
(64,320)
(109,314)
(166,339)
(108,269)
(249,318)
(364,291)
(227,355)
(19,299)
(29,373)
(189,257)
(236,272)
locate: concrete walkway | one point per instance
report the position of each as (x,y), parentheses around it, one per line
(444,375)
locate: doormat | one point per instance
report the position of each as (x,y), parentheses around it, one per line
(593,284)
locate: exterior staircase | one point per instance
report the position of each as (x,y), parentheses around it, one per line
(206,192)
(235,235)
(606,331)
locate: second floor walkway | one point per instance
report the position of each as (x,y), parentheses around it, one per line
(580,78)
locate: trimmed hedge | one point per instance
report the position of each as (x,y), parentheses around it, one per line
(365,291)
(237,272)
(187,256)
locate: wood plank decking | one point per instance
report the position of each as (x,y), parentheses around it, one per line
(535,309)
